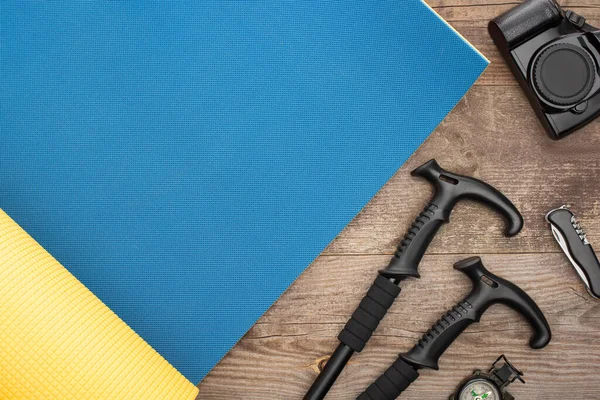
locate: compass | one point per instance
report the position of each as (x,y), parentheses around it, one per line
(479,389)
(491,385)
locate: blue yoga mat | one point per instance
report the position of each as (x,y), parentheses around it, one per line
(188,160)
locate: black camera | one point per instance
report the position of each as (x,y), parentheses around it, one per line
(555,56)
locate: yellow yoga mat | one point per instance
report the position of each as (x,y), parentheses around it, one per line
(59,341)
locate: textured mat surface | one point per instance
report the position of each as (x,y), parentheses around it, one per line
(59,341)
(187,161)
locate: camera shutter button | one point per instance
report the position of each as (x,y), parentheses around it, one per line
(563,74)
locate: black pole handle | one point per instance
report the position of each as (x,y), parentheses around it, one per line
(369,313)
(491,289)
(488,289)
(392,383)
(412,247)
(440,336)
(450,188)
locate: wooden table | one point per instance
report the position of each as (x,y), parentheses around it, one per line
(492,134)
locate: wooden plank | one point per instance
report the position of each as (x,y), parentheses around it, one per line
(277,358)
(493,135)
(471,21)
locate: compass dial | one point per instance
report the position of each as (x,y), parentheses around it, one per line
(479,389)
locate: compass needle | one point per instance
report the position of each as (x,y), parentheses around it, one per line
(479,389)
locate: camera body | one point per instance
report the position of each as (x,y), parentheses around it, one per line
(555,56)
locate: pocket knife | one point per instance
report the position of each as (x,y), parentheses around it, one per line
(573,241)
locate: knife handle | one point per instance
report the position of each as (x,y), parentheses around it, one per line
(573,241)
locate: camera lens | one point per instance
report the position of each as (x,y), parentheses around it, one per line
(563,74)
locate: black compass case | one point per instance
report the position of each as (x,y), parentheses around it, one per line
(555,56)
(498,378)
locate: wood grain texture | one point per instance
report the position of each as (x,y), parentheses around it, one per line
(471,17)
(492,134)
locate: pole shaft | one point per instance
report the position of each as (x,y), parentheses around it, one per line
(329,373)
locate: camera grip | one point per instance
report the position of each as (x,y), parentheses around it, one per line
(523,21)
